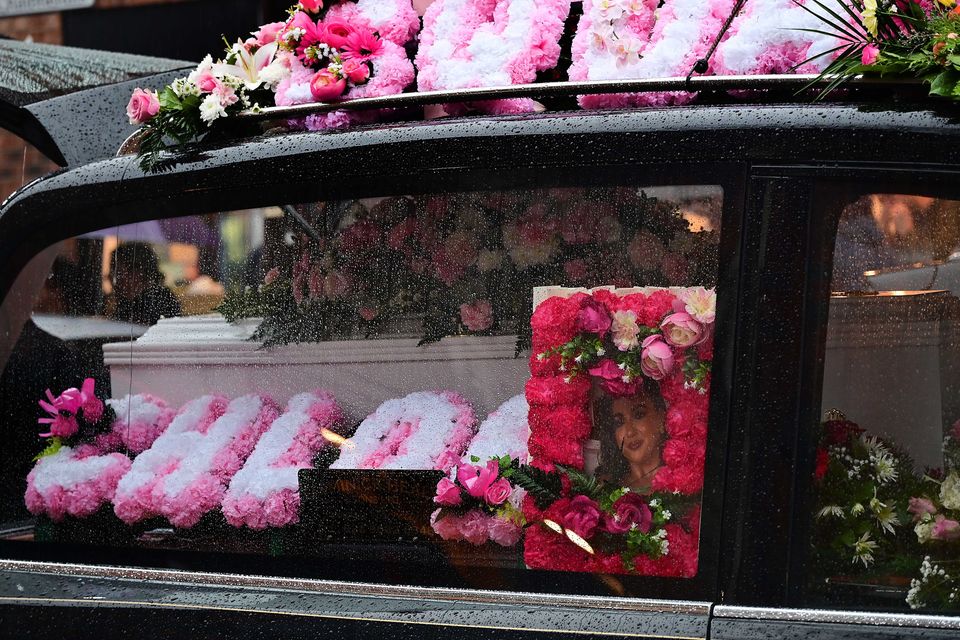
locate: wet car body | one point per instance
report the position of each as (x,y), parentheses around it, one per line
(775,257)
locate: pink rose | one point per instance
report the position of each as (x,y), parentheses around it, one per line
(656,357)
(920,507)
(629,510)
(504,532)
(612,378)
(326,86)
(311,6)
(945,529)
(593,318)
(209,83)
(477,316)
(870,54)
(582,516)
(681,330)
(143,105)
(356,72)
(955,430)
(498,492)
(336,33)
(271,276)
(448,493)
(268,33)
(476,480)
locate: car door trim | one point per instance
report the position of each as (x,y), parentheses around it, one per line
(838,617)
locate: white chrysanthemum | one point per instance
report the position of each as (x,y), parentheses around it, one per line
(211,109)
(863,549)
(950,491)
(884,467)
(831,510)
(273,74)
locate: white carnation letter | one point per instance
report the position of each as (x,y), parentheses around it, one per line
(633,40)
(766,37)
(477,43)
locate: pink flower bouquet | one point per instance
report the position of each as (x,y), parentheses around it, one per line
(424,430)
(477,504)
(266,491)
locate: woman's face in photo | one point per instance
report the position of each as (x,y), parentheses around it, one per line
(639,428)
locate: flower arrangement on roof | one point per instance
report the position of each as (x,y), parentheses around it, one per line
(936,519)
(860,513)
(478,43)
(909,38)
(467,264)
(318,54)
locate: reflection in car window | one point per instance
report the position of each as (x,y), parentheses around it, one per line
(509,380)
(885,521)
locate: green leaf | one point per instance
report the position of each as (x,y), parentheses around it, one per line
(544,487)
(944,83)
(581,482)
(52,447)
(474,459)
(169,99)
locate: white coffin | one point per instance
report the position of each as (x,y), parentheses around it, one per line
(182,358)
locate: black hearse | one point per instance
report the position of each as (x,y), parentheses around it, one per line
(829,230)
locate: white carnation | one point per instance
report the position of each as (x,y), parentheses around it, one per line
(950,491)
(211,109)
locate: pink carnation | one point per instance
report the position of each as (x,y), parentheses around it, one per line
(477,316)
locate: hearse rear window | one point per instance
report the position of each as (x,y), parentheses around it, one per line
(886,500)
(504,382)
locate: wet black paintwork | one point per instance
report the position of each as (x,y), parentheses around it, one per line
(768,157)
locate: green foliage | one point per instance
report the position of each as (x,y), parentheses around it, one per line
(544,487)
(53,446)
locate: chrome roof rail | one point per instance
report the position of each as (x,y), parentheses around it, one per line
(792,82)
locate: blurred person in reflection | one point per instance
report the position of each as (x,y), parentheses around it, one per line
(140,296)
(632,434)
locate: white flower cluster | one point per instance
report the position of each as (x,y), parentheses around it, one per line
(931,575)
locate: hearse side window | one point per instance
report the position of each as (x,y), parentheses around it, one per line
(886,489)
(489,387)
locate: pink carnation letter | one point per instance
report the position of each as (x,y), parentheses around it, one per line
(471,43)
(266,491)
(423,430)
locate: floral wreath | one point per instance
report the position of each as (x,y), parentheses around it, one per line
(478,43)
(614,339)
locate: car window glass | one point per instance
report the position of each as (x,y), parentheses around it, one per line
(484,385)
(885,518)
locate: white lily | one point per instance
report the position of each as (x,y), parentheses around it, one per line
(248,65)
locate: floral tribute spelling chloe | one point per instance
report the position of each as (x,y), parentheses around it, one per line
(614,342)
(318,54)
